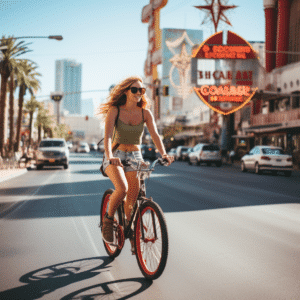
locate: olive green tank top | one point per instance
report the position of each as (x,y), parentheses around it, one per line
(128,134)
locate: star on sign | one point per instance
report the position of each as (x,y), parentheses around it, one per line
(215,12)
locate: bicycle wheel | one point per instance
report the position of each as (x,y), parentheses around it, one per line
(115,249)
(152,249)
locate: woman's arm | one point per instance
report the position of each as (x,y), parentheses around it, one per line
(155,136)
(109,129)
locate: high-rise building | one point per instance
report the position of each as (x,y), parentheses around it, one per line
(68,81)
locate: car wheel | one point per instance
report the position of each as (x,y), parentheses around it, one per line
(198,162)
(243,168)
(287,173)
(66,166)
(257,169)
(219,164)
(39,167)
(189,162)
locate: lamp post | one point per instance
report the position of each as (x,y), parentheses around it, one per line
(52,37)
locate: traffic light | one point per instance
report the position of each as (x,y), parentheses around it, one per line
(165,90)
(56,96)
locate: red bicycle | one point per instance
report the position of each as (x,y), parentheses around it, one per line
(147,227)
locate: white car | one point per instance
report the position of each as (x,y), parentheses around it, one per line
(267,158)
(52,152)
(205,153)
(83,147)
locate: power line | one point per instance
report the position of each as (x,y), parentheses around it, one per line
(72,93)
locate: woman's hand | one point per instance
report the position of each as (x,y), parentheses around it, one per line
(115,161)
(169,158)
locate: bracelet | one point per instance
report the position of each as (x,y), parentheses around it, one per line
(164,155)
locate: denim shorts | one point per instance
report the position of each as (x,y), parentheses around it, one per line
(135,155)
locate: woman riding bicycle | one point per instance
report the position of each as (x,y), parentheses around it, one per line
(126,112)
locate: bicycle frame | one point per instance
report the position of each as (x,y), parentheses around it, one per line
(140,200)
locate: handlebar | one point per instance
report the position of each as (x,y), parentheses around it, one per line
(161,161)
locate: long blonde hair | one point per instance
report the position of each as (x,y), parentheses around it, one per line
(117,96)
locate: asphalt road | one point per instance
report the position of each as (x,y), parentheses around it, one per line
(232,235)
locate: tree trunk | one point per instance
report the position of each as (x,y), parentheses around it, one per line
(4,79)
(11,112)
(20,113)
(39,133)
(30,127)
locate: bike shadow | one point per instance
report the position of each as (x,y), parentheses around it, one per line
(46,280)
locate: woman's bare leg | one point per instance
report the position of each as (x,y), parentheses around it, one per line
(133,190)
(117,177)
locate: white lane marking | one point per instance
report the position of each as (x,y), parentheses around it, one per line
(23,198)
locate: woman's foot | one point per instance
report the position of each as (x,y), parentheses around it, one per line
(107,229)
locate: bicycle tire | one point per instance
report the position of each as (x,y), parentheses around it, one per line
(143,249)
(112,251)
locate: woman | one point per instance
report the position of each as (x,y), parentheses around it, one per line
(125,113)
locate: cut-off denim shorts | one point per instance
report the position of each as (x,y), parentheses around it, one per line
(135,155)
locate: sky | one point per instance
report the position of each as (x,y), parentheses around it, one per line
(107,36)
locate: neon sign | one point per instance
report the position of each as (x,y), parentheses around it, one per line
(226,72)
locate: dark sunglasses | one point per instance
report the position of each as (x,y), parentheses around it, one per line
(134,90)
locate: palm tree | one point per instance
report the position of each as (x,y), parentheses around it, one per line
(43,121)
(11,111)
(31,106)
(27,80)
(8,63)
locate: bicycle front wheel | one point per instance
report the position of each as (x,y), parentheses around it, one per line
(151,240)
(113,250)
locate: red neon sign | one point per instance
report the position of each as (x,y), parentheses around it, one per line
(232,87)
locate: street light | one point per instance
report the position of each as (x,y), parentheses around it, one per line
(53,37)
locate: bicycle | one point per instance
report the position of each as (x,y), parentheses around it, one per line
(147,227)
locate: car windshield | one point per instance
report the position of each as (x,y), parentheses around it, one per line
(184,149)
(44,144)
(270,151)
(211,148)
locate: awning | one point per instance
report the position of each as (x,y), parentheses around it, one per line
(242,136)
(276,127)
(187,134)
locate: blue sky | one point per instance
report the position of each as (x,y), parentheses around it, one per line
(108,37)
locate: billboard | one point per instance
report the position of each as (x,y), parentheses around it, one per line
(177,45)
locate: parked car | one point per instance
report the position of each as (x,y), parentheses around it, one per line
(70,145)
(205,153)
(52,152)
(172,152)
(185,154)
(267,158)
(83,148)
(93,146)
(149,152)
(179,152)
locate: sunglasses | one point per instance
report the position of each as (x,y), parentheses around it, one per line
(134,90)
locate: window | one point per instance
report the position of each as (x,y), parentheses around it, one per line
(270,151)
(52,144)
(211,148)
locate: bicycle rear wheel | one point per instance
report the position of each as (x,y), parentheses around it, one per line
(152,245)
(115,249)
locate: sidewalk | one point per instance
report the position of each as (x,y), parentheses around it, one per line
(6,174)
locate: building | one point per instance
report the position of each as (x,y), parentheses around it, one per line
(84,128)
(180,104)
(68,81)
(273,117)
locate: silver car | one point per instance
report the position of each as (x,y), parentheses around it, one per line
(205,153)
(52,152)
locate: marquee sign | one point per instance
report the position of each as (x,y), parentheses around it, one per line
(227,74)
